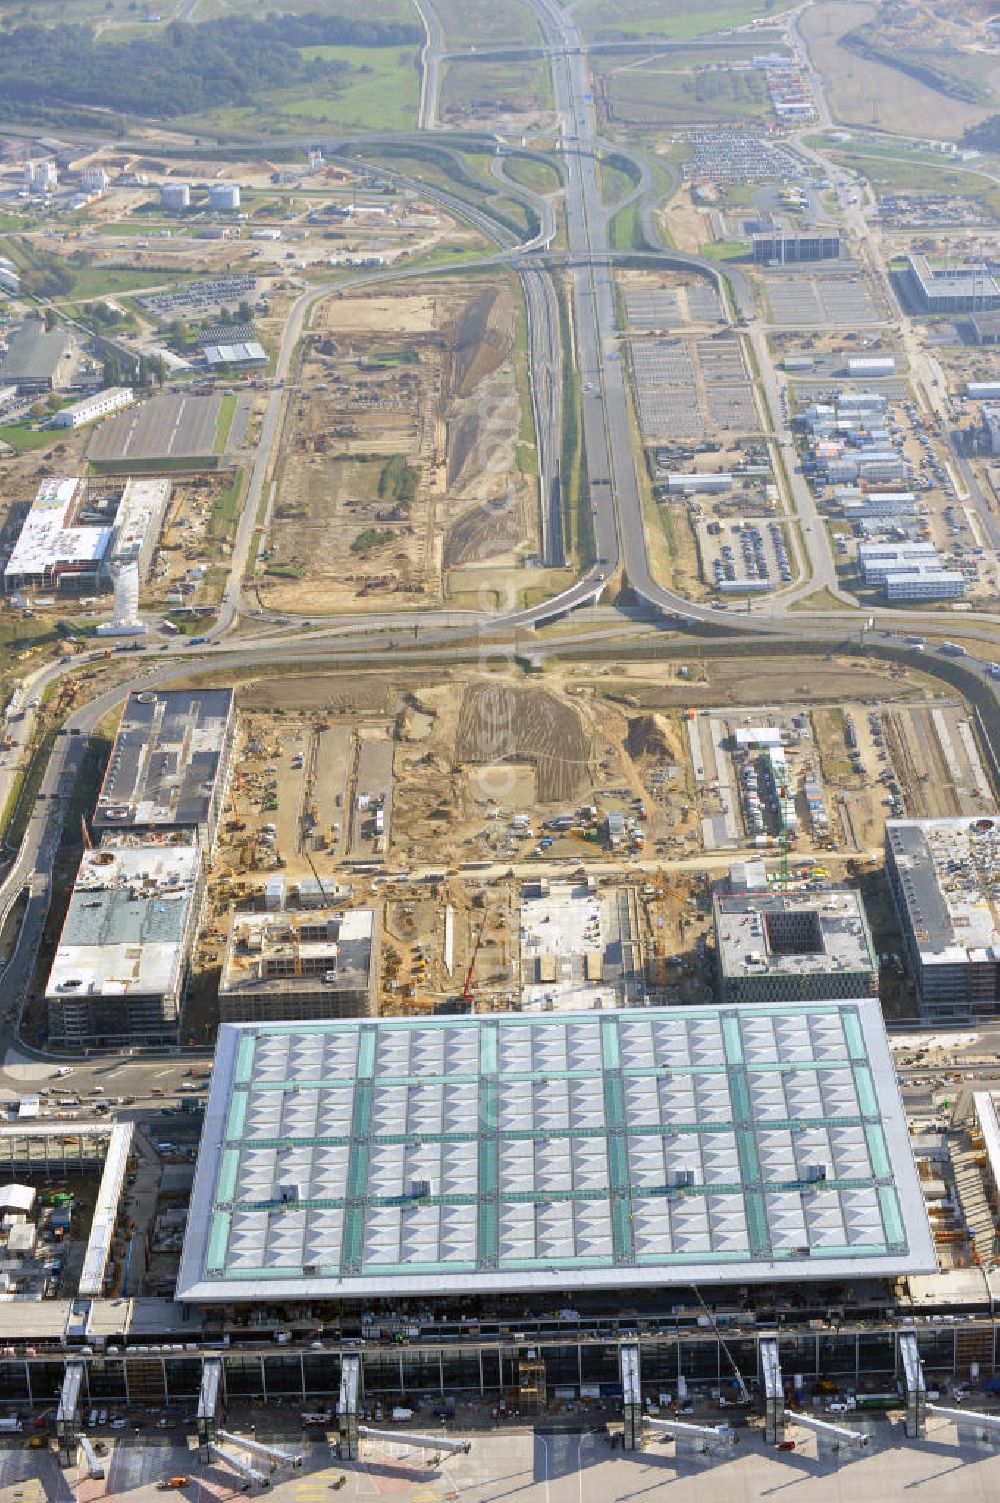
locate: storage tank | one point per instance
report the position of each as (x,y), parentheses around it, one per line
(175,196)
(224,197)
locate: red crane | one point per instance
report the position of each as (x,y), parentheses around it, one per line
(467,988)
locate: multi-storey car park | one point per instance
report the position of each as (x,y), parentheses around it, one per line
(119,971)
(944,875)
(169,764)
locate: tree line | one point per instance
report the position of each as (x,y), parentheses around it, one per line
(183,69)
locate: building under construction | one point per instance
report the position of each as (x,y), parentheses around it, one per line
(313,964)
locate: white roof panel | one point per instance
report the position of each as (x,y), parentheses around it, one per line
(362,1158)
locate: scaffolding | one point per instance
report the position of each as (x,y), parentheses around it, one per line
(530,1384)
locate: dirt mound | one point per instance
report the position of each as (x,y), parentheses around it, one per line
(483,532)
(651,736)
(483,338)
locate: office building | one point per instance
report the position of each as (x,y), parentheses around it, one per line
(435,1159)
(314,964)
(62,542)
(119,970)
(944,875)
(793,946)
(169,765)
(90,409)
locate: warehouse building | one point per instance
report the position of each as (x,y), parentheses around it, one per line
(793,946)
(944,875)
(440,1158)
(169,765)
(951,289)
(248,354)
(38,359)
(119,970)
(784,248)
(315,964)
(102,404)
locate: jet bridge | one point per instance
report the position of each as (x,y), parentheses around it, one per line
(411,1438)
(774,1392)
(266,1453)
(834,1437)
(628,1356)
(241,1468)
(694,1438)
(971,1425)
(347,1405)
(914,1385)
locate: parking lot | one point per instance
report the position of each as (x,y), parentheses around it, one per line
(807,299)
(730,156)
(200,298)
(166,427)
(690,388)
(752,552)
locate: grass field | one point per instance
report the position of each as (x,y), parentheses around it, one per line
(351,10)
(491,86)
(864,93)
(667,93)
(653,18)
(540,177)
(380,91)
(227,411)
(909,172)
(486,23)
(23,438)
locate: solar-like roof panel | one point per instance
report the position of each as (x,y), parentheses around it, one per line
(354,1158)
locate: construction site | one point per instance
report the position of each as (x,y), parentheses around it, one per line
(405,455)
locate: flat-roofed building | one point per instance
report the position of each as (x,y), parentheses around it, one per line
(785,248)
(793,946)
(62,541)
(944,876)
(313,964)
(951,289)
(631,1149)
(38,359)
(119,970)
(169,765)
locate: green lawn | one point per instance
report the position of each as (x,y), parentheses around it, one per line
(540,177)
(23,438)
(227,412)
(225,505)
(380,92)
(696,18)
